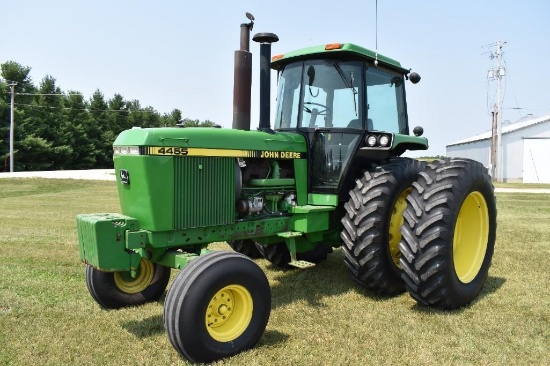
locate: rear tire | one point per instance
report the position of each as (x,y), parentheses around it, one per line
(449,233)
(246,247)
(114,290)
(218,306)
(374,215)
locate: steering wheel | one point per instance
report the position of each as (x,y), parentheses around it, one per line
(323,112)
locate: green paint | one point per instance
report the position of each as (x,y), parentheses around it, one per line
(411,142)
(300,173)
(212,138)
(322,199)
(273,182)
(149,196)
(309,219)
(102,242)
(348,50)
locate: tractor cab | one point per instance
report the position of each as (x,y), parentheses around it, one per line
(348,101)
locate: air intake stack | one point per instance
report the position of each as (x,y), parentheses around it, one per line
(265,40)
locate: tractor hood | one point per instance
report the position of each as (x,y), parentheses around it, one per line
(206,141)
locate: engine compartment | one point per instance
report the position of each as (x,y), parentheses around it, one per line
(265,187)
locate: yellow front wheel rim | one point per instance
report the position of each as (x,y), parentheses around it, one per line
(129,285)
(470,237)
(396,220)
(229,313)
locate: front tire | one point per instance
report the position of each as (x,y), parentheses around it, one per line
(218,306)
(114,290)
(374,215)
(449,235)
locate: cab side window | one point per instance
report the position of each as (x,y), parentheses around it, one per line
(385,101)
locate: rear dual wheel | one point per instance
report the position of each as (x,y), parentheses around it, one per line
(374,215)
(246,247)
(217,306)
(449,233)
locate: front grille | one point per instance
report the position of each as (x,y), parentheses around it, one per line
(204,191)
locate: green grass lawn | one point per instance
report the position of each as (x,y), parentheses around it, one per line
(319,317)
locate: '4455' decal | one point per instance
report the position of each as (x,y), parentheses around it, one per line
(180,151)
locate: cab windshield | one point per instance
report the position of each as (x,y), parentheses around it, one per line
(340,94)
(320,94)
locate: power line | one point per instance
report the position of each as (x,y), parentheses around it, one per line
(86,109)
(530,109)
(40,94)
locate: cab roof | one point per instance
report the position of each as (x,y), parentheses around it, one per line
(337,50)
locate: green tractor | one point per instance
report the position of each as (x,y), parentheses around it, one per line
(327,175)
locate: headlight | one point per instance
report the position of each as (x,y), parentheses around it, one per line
(126,150)
(371,140)
(384,140)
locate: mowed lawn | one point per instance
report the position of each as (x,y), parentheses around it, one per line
(319,317)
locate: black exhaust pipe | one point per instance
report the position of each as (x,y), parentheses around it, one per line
(242,79)
(265,40)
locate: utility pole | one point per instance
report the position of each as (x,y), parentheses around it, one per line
(500,74)
(494,137)
(497,156)
(12,123)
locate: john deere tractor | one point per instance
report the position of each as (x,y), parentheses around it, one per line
(327,175)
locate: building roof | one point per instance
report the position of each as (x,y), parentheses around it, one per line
(524,122)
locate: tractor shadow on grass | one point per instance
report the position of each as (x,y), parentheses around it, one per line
(329,278)
(146,327)
(154,325)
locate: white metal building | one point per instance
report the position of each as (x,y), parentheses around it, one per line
(525,150)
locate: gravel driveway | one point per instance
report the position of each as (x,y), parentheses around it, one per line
(93,174)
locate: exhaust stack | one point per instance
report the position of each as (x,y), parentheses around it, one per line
(242,79)
(265,40)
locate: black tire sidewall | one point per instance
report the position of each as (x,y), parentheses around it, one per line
(104,290)
(462,293)
(428,234)
(376,263)
(192,294)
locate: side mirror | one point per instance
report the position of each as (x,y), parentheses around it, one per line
(418,131)
(414,77)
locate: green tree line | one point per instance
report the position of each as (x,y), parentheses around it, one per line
(58,130)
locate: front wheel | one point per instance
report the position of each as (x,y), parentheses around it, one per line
(114,290)
(218,306)
(449,233)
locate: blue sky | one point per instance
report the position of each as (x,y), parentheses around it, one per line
(179,54)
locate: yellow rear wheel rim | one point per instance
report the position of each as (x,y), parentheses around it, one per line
(396,220)
(129,285)
(470,237)
(229,313)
